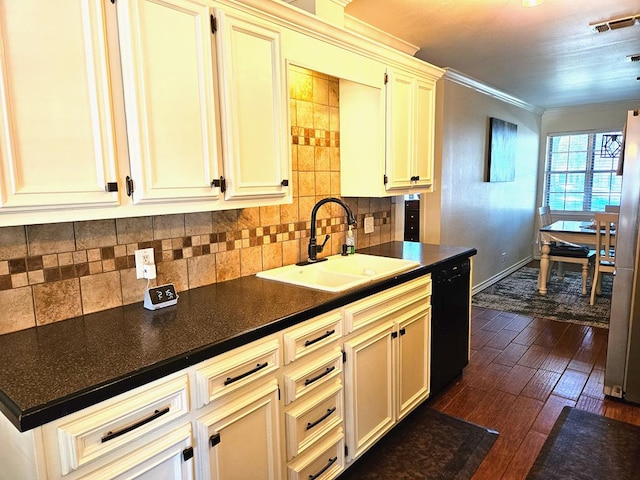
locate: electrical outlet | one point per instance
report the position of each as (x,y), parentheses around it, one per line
(368,224)
(504,257)
(143,257)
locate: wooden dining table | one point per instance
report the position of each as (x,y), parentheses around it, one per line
(562,231)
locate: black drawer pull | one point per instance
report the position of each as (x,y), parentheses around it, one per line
(321,337)
(403,331)
(260,366)
(324,469)
(144,421)
(310,425)
(328,370)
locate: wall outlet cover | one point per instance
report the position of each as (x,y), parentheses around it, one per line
(368,224)
(143,257)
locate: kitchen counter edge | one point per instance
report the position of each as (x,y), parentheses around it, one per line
(26,416)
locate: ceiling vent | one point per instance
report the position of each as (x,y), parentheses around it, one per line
(615,24)
(634,58)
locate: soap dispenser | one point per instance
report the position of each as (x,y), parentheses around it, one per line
(351,243)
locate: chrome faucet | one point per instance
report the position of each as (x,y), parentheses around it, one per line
(314,248)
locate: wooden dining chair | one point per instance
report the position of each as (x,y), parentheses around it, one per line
(565,253)
(605,250)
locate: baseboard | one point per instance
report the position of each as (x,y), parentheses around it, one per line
(499,276)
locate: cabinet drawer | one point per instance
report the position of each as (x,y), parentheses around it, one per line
(162,458)
(412,218)
(233,370)
(366,312)
(98,430)
(322,462)
(312,374)
(311,336)
(309,419)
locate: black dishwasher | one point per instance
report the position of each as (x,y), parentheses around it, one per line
(449,323)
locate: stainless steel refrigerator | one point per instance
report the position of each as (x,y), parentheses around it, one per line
(622,374)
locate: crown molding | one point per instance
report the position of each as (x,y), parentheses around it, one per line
(282,13)
(477,85)
(590,107)
(356,25)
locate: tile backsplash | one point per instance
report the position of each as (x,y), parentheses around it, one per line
(53,272)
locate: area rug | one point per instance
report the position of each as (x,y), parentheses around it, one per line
(518,293)
(583,445)
(426,445)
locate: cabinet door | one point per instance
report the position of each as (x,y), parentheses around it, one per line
(168,76)
(362,136)
(413,359)
(254,105)
(424,133)
(369,387)
(240,439)
(57,145)
(400,124)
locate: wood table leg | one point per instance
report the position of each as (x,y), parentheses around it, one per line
(544,269)
(585,277)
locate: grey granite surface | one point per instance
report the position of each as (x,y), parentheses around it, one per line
(50,371)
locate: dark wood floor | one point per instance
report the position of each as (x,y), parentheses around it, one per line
(522,372)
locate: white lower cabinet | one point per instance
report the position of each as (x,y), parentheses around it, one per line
(238,424)
(323,462)
(369,379)
(413,358)
(314,398)
(309,419)
(243,414)
(236,371)
(239,437)
(142,434)
(387,364)
(170,456)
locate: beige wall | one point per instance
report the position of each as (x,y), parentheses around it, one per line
(53,272)
(466,210)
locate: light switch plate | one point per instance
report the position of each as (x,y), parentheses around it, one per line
(368,224)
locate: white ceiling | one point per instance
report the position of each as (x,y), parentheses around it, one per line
(547,56)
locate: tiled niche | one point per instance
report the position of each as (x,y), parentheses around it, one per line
(53,272)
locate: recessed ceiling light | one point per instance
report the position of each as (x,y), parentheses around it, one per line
(531,3)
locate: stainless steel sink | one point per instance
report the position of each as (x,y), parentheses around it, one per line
(339,273)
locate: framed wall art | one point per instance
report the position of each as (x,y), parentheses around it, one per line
(503,137)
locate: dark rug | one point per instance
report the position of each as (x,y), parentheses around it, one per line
(427,444)
(518,293)
(583,445)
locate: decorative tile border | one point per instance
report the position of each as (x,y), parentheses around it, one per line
(33,270)
(315,137)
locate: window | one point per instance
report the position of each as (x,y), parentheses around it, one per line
(580,172)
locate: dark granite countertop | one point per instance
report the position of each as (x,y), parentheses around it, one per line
(50,371)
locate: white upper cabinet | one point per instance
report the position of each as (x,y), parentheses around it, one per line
(410,124)
(168,76)
(387,135)
(57,144)
(424,133)
(254,106)
(143,107)
(399,146)
(362,142)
